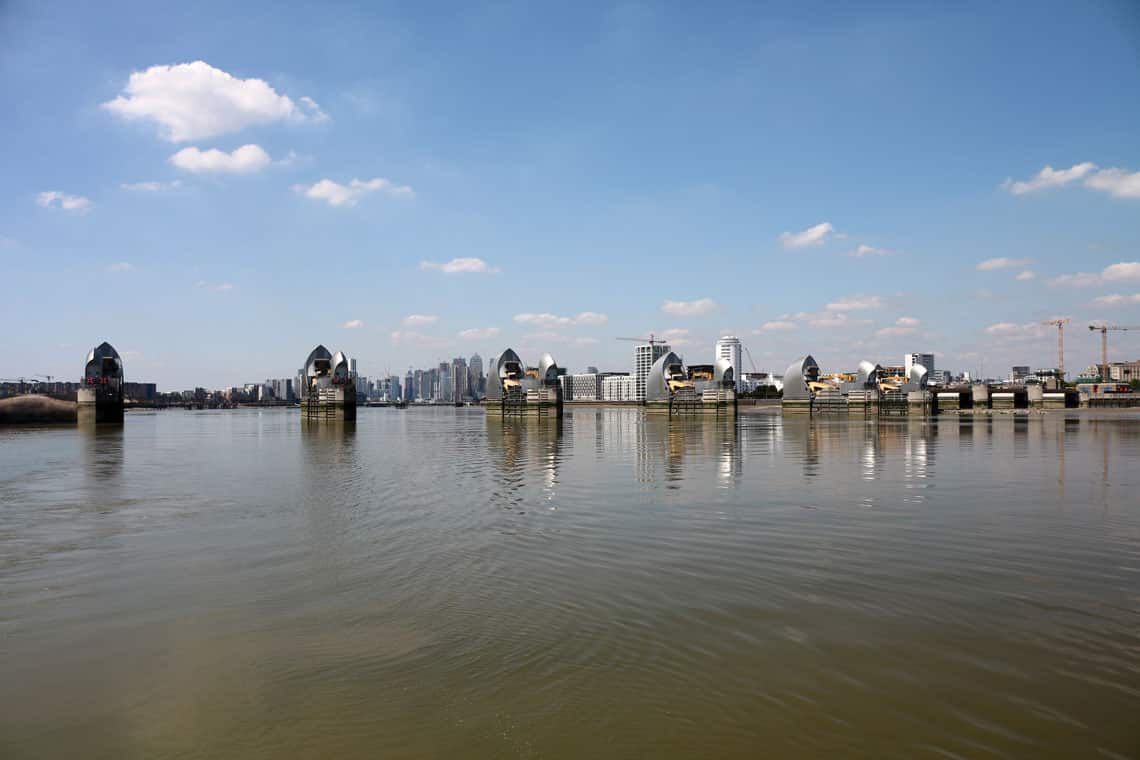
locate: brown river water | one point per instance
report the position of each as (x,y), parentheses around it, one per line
(429,583)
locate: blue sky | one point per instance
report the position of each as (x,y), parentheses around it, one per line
(551,178)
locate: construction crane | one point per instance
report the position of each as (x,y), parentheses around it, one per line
(750,359)
(1060,343)
(650,340)
(1104,345)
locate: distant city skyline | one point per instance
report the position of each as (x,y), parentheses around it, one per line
(856,186)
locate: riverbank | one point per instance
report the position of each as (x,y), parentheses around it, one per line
(32,409)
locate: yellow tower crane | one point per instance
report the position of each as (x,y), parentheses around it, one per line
(1060,343)
(1104,345)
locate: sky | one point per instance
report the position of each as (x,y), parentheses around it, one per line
(216,189)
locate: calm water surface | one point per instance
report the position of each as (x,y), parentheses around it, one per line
(429,583)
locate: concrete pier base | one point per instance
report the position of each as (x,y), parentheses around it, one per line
(330,404)
(97,405)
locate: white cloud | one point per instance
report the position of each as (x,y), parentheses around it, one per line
(353,324)
(776,325)
(1118,183)
(833,320)
(1002,262)
(676,336)
(121,266)
(224,287)
(585,318)
(193,101)
(411,337)
(869,250)
(1049,177)
(1026,275)
(696,308)
(811,236)
(244,160)
(55,198)
(591,318)
(1116,299)
(478,333)
(150,187)
(902,326)
(1078,280)
(548,336)
(1125,270)
(856,303)
(1011,329)
(459,266)
(418,320)
(346,195)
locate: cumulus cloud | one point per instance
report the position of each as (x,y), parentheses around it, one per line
(1002,262)
(353,324)
(776,325)
(856,303)
(696,308)
(56,199)
(418,320)
(221,287)
(150,187)
(411,337)
(676,337)
(811,236)
(1026,275)
(869,250)
(548,336)
(121,266)
(478,333)
(1048,177)
(902,326)
(584,319)
(463,265)
(337,194)
(1116,299)
(244,160)
(193,101)
(1077,280)
(1118,183)
(1125,270)
(833,320)
(1012,329)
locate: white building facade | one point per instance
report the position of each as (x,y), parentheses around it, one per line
(729,347)
(617,388)
(643,357)
(585,387)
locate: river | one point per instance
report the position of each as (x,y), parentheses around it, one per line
(430,583)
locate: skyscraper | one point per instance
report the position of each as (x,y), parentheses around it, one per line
(409,389)
(459,385)
(643,357)
(475,375)
(729,347)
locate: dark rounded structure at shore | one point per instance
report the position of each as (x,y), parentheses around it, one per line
(32,410)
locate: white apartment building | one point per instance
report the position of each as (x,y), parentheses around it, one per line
(643,357)
(617,388)
(729,347)
(585,387)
